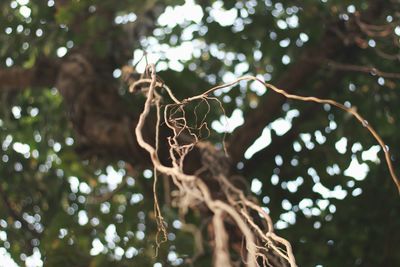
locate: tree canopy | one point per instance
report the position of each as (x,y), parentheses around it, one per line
(77,188)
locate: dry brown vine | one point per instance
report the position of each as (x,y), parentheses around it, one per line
(260,243)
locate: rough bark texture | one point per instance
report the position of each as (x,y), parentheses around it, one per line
(101,119)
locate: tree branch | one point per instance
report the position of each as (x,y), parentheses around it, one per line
(102,121)
(269,108)
(293,79)
(364,69)
(277,142)
(43,74)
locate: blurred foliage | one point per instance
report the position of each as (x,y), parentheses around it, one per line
(50,193)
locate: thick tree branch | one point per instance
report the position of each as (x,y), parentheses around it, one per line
(293,79)
(103,124)
(277,142)
(43,74)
